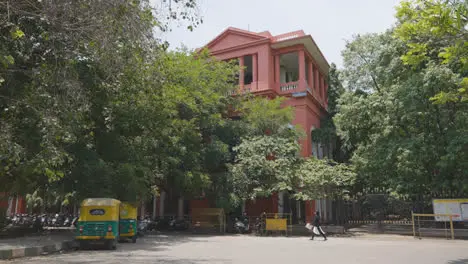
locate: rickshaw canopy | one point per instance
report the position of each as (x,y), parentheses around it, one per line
(128,211)
(100,202)
(100,209)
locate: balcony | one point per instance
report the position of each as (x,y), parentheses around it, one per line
(288,74)
(289,87)
(295,74)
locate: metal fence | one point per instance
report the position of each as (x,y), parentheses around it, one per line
(381,208)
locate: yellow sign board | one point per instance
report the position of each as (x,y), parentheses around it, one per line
(276,224)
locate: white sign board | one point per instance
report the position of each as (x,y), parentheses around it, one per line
(456,207)
(464,209)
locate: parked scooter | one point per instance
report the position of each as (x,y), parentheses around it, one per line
(67,222)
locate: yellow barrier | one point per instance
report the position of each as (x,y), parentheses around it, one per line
(416,219)
(276,224)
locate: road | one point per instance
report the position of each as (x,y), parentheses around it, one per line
(272,250)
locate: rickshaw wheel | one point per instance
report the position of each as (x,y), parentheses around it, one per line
(83,245)
(134,239)
(112,245)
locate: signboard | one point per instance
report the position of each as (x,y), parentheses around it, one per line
(456,207)
(276,224)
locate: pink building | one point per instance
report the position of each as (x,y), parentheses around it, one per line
(289,65)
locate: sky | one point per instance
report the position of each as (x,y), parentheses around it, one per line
(329,22)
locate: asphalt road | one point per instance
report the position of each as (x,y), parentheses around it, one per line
(269,250)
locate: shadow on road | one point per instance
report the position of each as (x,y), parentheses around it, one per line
(458,261)
(148,249)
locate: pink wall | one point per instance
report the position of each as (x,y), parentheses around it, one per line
(307,116)
(260,205)
(21,209)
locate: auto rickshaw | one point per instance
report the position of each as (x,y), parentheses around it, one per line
(128,222)
(98,222)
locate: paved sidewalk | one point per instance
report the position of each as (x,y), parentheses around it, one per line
(35,245)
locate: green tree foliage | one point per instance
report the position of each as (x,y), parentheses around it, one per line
(191,147)
(321,178)
(403,142)
(85,102)
(436,31)
(265,116)
(264,165)
(326,134)
(266,150)
(268,158)
(34,202)
(92,104)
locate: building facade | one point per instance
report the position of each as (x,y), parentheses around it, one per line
(12,204)
(289,65)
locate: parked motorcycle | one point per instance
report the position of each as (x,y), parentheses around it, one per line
(142,227)
(241,227)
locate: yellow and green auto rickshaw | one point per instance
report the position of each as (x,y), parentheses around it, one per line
(128,221)
(98,222)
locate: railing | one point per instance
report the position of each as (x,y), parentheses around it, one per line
(288,87)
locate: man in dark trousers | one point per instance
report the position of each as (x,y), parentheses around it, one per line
(317,224)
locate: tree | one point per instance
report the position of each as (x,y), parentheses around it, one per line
(33,202)
(264,165)
(403,143)
(73,80)
(270,163)
(267,151)
(326,134)
(194,93)
(321,178)
(436,31)
(263,115)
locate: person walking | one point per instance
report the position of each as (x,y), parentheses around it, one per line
(317,225)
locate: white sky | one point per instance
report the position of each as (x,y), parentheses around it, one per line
(330,22)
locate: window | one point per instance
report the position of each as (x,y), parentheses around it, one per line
(248,69)
(97,212)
